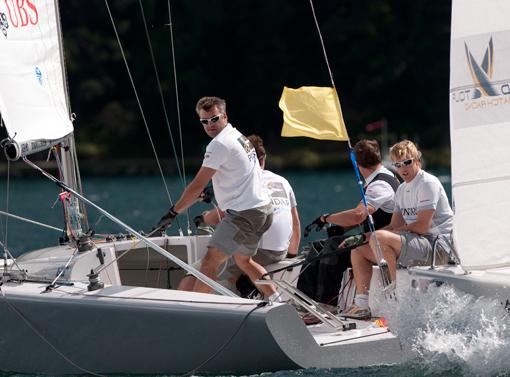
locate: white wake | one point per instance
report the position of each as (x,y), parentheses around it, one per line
(442,328)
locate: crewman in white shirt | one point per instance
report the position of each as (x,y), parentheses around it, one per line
(231,162)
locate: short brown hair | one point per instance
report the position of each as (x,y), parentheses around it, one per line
(258,144)
(207,103)
(404,149)
(368,153)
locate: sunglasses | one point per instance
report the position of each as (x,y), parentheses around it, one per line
(408,162)
(213,119)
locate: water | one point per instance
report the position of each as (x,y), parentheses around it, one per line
(448,334)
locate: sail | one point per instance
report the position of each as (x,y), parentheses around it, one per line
(32,92)
(480,131)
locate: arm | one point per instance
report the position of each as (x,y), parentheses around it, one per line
(194,189)
(350,217)
(296,232)
(397,221)
(422,223)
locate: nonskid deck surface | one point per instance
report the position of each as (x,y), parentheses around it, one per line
(364,331)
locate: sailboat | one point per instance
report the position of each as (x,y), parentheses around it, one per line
(480,133)
(85,306)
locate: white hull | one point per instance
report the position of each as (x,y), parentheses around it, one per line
(127,329)
(491,283)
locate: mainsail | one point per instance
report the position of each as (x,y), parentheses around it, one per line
(480,131)
(33,103)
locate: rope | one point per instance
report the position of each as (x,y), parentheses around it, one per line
(52,284)
(161,94)
(43,338)
(383,265)
(229,340)
(138,101)
(178,106)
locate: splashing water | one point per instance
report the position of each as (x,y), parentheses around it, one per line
(444,328)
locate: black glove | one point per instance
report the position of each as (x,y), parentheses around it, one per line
(207,195)
(318,224)
(166,220)
(199,221)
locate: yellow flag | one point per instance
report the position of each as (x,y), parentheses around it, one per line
(312,111)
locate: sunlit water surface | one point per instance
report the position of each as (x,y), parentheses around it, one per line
(443,332)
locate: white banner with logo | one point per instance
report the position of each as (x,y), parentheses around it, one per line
(480,131)
(32,95)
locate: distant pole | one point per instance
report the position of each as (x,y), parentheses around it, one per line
(384,141)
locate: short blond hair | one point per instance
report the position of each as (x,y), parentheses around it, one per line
(404,149)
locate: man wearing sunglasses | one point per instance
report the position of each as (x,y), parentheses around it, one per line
(281,239)
(321,279)
(422,217)
(231,162)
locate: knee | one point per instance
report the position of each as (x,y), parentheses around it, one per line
(242,263)
(380,235)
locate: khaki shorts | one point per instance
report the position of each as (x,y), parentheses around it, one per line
(416,250)
(241,231)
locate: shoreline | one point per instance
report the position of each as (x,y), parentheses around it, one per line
(296,160)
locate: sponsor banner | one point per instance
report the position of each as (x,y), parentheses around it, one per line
(480,80)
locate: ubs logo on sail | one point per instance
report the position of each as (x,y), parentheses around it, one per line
(20,14)
(4,25)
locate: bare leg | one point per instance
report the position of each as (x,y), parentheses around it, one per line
(390,244)
(210,264)
(362,259)
(187,283)
(254,272)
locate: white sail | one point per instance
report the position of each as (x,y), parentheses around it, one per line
(480,131)
(32,93)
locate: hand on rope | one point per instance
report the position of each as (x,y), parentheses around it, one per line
(167,219)
(207,195)
(317,224)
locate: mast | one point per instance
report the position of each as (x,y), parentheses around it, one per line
(75,212)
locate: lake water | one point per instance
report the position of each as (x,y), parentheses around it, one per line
(449,334)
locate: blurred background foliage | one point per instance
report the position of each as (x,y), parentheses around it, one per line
(389,58)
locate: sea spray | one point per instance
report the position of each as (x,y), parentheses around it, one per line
(443,328)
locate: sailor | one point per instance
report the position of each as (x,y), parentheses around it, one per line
(231,162)
(282,238)
(421,220)
(321,279)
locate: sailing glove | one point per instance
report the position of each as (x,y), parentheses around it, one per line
(166,220)
(207,195)
(317,224)
(354,241)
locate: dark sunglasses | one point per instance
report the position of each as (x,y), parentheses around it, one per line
(408,162)
(213,119)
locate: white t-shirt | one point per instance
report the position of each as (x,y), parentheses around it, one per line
(237,182)
(282,197)
(422,193)
(380,194)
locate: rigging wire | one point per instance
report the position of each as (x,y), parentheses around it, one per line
(7,214)
(42,337)
(140,106)
(172,44)
(383,265)
(182,173)
(7,198)
(178,106)
(227,342)
(167,121)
